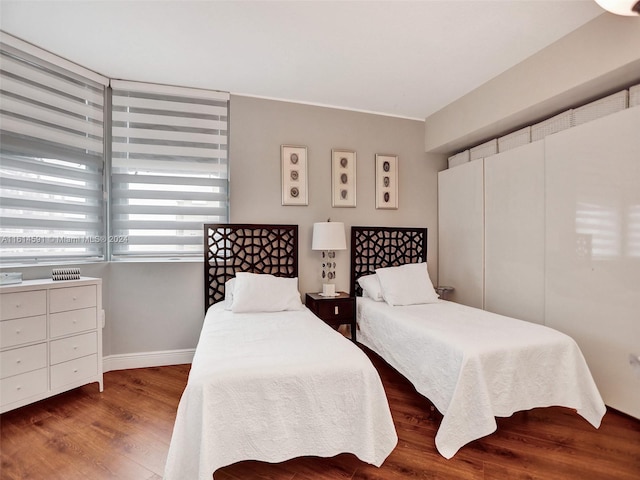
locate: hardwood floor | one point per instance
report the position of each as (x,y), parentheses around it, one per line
(124,433)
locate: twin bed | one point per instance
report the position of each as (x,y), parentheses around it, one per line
(270,381)
(473,365)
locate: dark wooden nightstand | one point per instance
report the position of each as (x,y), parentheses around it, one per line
(335,311)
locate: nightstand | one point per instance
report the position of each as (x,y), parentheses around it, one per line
(336,311)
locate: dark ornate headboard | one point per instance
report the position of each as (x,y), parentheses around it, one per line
(231,248)
(378,247)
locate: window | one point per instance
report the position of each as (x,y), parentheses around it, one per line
(51,157)
(169,168)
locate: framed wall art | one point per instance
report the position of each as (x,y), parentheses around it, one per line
(343,178)
(386,181)
(295,185)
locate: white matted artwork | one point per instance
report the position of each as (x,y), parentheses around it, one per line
(294,175)
(343,178)
(386,181)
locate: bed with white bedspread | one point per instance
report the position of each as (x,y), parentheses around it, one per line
(272,385)
(473,365)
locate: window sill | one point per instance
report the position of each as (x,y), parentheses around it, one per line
(19,266)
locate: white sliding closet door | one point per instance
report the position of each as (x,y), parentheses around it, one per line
(593,248)
(514,233)
(461,232)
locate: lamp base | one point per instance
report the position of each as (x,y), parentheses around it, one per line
(329,290)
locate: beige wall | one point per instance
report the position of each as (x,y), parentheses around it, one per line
(596,59)
(259,127)
(154,309)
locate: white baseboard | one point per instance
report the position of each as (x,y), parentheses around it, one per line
(147,359)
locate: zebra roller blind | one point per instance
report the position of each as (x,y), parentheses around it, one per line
(169,168)
(51,157)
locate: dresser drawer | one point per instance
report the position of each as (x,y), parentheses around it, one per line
(21,360)
(23,330)
(73,371)
(19,387)
(73,347)
(23,304)
(72,298)
(74,321)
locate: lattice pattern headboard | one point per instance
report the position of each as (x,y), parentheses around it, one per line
(231,248)
(378,247)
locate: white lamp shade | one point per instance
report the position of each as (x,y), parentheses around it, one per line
(329,236)
(620,7)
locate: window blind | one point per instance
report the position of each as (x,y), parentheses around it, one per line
(51,157)
(169,172)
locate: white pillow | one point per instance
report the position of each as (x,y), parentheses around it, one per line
(407,285)
(254,292)
(228,293)
(371,287)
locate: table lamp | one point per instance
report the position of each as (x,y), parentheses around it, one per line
(328,236)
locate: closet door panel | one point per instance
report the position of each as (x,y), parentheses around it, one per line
(514,233)
(461,232)
(593,248)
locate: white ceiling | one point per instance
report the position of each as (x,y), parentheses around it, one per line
(399,58)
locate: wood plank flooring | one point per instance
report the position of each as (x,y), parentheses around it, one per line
(124,433)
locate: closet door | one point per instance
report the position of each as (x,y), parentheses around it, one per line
(461,232)
(514,233)
(593,248)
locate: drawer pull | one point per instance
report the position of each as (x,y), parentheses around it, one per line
(75,347)
(18,361)
(18,388)
(75,370)
(18,305)
(75,298)
(18,331)
(336,311)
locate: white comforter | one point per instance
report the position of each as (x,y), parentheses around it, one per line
(475,365)
(274,386)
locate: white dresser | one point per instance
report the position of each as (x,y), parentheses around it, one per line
(50,339)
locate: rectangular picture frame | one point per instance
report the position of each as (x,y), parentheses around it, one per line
(343,178)
(295,182)
(386,181)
